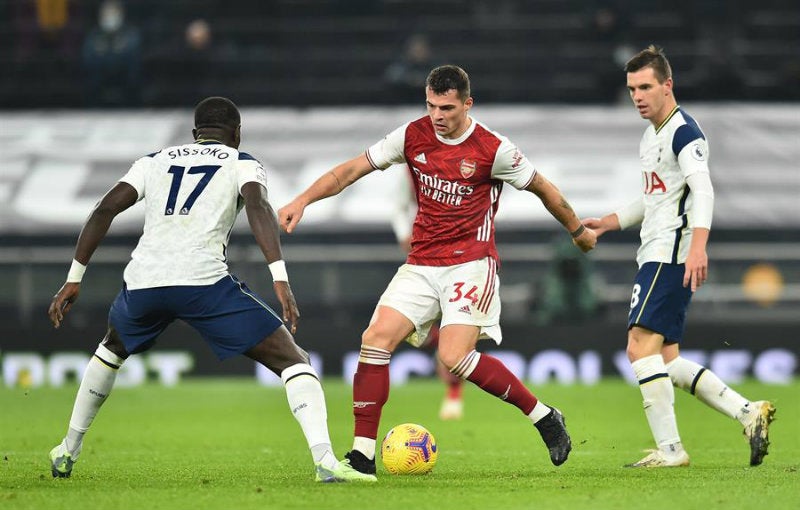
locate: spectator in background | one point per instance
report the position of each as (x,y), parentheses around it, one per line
(195,57)
(210,61)
(406,75)
(112,59)
(48,28)
(202,55)
(198,35)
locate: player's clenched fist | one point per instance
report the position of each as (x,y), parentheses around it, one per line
(289,215)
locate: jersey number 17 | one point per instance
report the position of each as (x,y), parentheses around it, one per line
(177,172)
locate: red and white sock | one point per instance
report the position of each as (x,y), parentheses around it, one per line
(370,393)
(492,376)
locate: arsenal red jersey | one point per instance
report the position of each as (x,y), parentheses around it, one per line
(457,184)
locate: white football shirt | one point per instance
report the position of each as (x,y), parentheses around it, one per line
(668,155)
(192,197)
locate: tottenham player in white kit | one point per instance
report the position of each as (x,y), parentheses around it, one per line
(192,195)
(458,167)
(675,214)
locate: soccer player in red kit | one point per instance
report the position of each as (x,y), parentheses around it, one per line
(458,167)
(402,223)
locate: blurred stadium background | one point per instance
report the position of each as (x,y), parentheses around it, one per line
(87,87)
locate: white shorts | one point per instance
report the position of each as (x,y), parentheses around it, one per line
(466,293)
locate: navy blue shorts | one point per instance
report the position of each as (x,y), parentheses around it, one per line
(660,301)
(229,316)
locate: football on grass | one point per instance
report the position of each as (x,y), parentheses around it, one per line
(409,449)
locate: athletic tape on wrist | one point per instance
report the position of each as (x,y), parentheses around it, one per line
(76,271)
(278,270)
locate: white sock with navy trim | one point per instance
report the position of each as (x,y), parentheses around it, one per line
(307,403)
(96,384)
(708,388)
(659,402)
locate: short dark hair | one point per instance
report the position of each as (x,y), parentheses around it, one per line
(216,112)
(449,77)
(654,57)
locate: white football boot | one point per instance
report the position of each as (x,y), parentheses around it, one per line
(757,430)
(657,459)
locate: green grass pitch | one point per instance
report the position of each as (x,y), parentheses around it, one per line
(230,444)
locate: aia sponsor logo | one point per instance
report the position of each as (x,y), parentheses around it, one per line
(468,167)
(653,185)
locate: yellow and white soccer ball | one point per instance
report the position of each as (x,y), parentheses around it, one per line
(409,449)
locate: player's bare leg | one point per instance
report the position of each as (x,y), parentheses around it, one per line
(453,403)
(457,351)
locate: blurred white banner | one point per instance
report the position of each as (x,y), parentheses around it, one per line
(56,165)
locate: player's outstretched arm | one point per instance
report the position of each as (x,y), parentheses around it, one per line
(628,216)
(602,225)
(329,184)
(557,205)
(118,199)
(264,225)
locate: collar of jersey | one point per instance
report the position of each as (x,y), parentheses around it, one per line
(671,114)
(208,141)
(456,141)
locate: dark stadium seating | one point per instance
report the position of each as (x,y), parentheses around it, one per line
(334,52)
